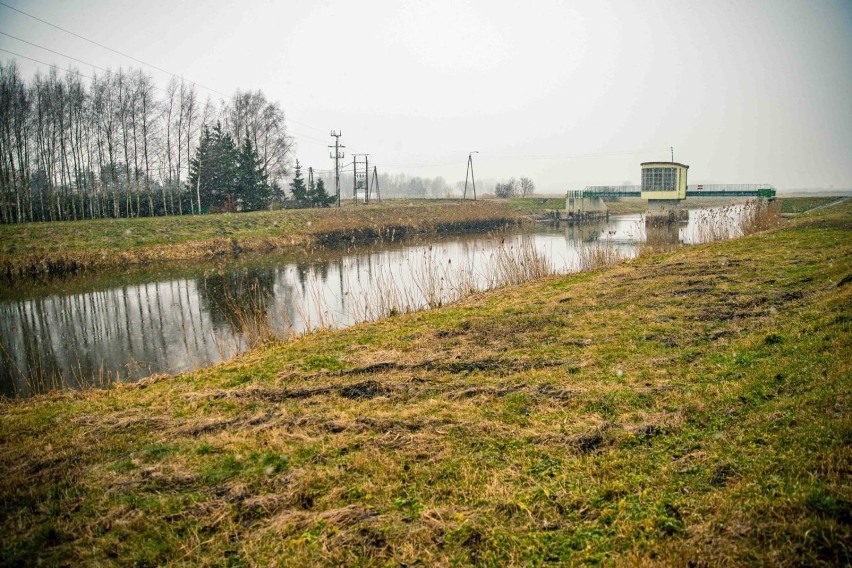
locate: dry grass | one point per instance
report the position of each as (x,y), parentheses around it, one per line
(688,408)
(599,254)
(518,263)
(55,248)
(760,215)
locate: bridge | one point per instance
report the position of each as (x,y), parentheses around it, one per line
(763,190)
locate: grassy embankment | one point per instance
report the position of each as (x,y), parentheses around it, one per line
(687,407)
(38,249)
(44,248)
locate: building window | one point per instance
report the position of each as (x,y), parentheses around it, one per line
(659,179)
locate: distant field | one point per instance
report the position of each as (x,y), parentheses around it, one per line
(535,204)
(802,204)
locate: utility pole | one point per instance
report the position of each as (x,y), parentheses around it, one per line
(360,180)
(376,183)
(337,156)
(672,149)
(469,171)
(310,178)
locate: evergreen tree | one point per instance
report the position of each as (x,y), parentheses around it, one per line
(252,187)
(199,189)
(213,171)
(311,195)
(319,196)
(278,195)
(298,188)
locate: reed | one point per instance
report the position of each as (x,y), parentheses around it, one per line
(657,239)
(592,256)
(733,221)
(760,215)
(516,264)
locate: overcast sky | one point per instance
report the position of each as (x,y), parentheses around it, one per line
(567,93)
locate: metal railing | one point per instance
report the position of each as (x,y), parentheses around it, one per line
(695,190)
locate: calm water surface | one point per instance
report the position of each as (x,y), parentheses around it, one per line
(87,329)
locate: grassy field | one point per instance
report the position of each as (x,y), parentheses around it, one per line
(794,205)
(689,408)
(42,248)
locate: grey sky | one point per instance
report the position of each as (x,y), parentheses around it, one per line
(563,92)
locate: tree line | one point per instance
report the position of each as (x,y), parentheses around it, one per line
(514,187)
(121,147)
(397,185)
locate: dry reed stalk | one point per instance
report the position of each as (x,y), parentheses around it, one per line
(598,255)
(517,264)
(760,215)
(657,239)
(248,313)
(732,221)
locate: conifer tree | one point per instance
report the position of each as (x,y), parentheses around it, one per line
(213,171)
(252,187)
(320,197)
(298,188)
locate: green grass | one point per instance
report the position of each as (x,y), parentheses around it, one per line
(49,248)
(795,205)
(123,234)
(684,408)
(534,204)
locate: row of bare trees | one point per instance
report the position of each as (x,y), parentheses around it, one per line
(515,187)
(116,145)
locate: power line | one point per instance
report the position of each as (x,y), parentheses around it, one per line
(42,62)
(93,42)
(583,155)
(413,165)
(54,51)
(304,137)
(136,59)
(123,54)
(231,98)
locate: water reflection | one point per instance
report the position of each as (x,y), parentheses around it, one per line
(171,324)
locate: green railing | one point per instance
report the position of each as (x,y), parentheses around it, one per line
(706,190)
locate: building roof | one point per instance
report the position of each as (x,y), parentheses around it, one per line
(664,164)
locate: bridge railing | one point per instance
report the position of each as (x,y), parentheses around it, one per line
(612,190)
(732,187)
(695,190)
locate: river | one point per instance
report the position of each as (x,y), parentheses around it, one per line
(91,329)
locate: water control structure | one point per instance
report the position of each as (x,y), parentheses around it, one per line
(663,185)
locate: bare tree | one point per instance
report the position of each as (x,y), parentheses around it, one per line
(251,114)
(189,109)
(506,189)
(113,148)
(526,185)
(146,110)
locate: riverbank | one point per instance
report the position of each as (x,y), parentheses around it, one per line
(43,249)
(37,249)
(689,406)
